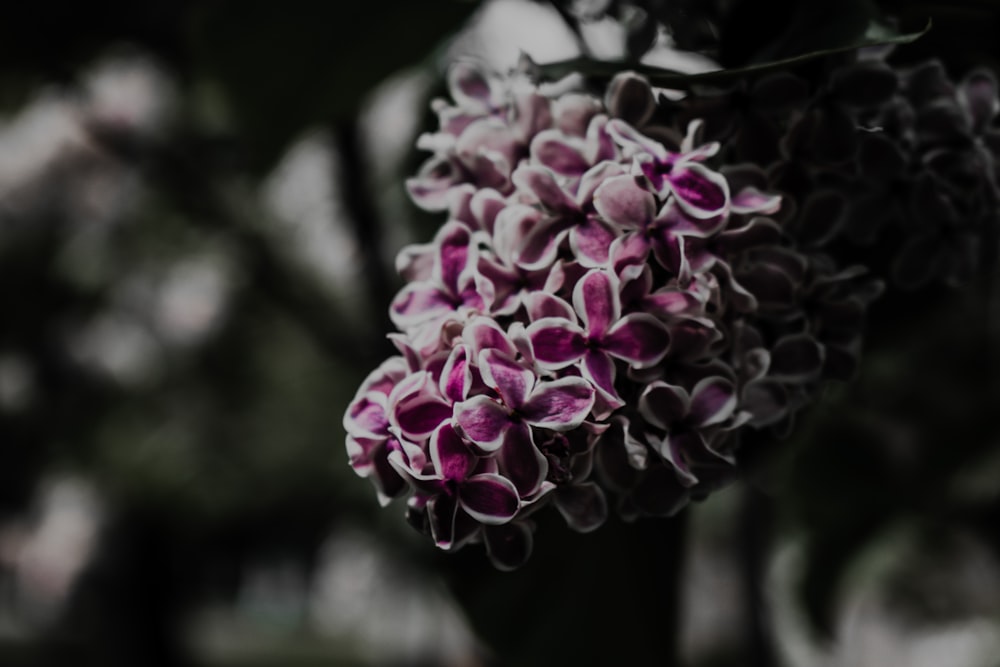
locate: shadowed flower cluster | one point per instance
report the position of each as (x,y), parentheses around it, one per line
(602,312)
(900,159)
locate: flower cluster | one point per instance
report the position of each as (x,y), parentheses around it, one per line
(905,160)
(602,312)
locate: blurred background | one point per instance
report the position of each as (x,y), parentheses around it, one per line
(200,202)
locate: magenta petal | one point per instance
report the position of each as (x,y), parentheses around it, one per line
(590,241)
(366,416)
(639,339)
(456,376)
(540,182)
(484,421)
(485,205)
(623,202)
(673,219)
(489,499)
(429,188)
(469,86)
(559,405)
(701,192)
(452,243)
(599,370)
(595,177)
(595,298)
(552,150)
(417,417)
(664,405)
(509,378)
(632,141)
(415,262)
(673,301)
(483,333)
(556,342)
(451,456)
(713,400)
(387,480)
(670,252)
(750,200)
(543,304)
(628,255)
(419,302)
(539,247)
(521,461)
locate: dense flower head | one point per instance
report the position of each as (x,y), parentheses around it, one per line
(902,159)
(603,312)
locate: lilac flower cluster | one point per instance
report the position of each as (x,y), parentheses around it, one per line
(602,312)
(902,159)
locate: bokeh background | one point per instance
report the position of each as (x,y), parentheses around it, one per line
(200,202)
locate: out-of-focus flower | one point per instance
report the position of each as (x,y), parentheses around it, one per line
(603,312)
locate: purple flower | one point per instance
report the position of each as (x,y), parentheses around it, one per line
(458,481)
(503,421)
(700,192)
(639,339)
(599,317)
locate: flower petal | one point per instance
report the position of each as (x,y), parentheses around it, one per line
(509,545)
(622,201)
(664,405)
(630,98)
(639,338)
(596,301)
(484,421)
(583,506)
(509,378)
(441,512)
(556,342)
(366,416)
(978,93)
(521,462)
(483,333)
(590,241)
(418,303)
(541,183)
(599,369)
(489,499)
(450,455)
(453,250)
(757,232)
(469,86)
(713,400)
(540,245)
(429,188)
(456,376)
(417,417)
(750,200)
(632,141)
(701,192)
(551,149)
(560,404)
(796,358)
(542,304)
